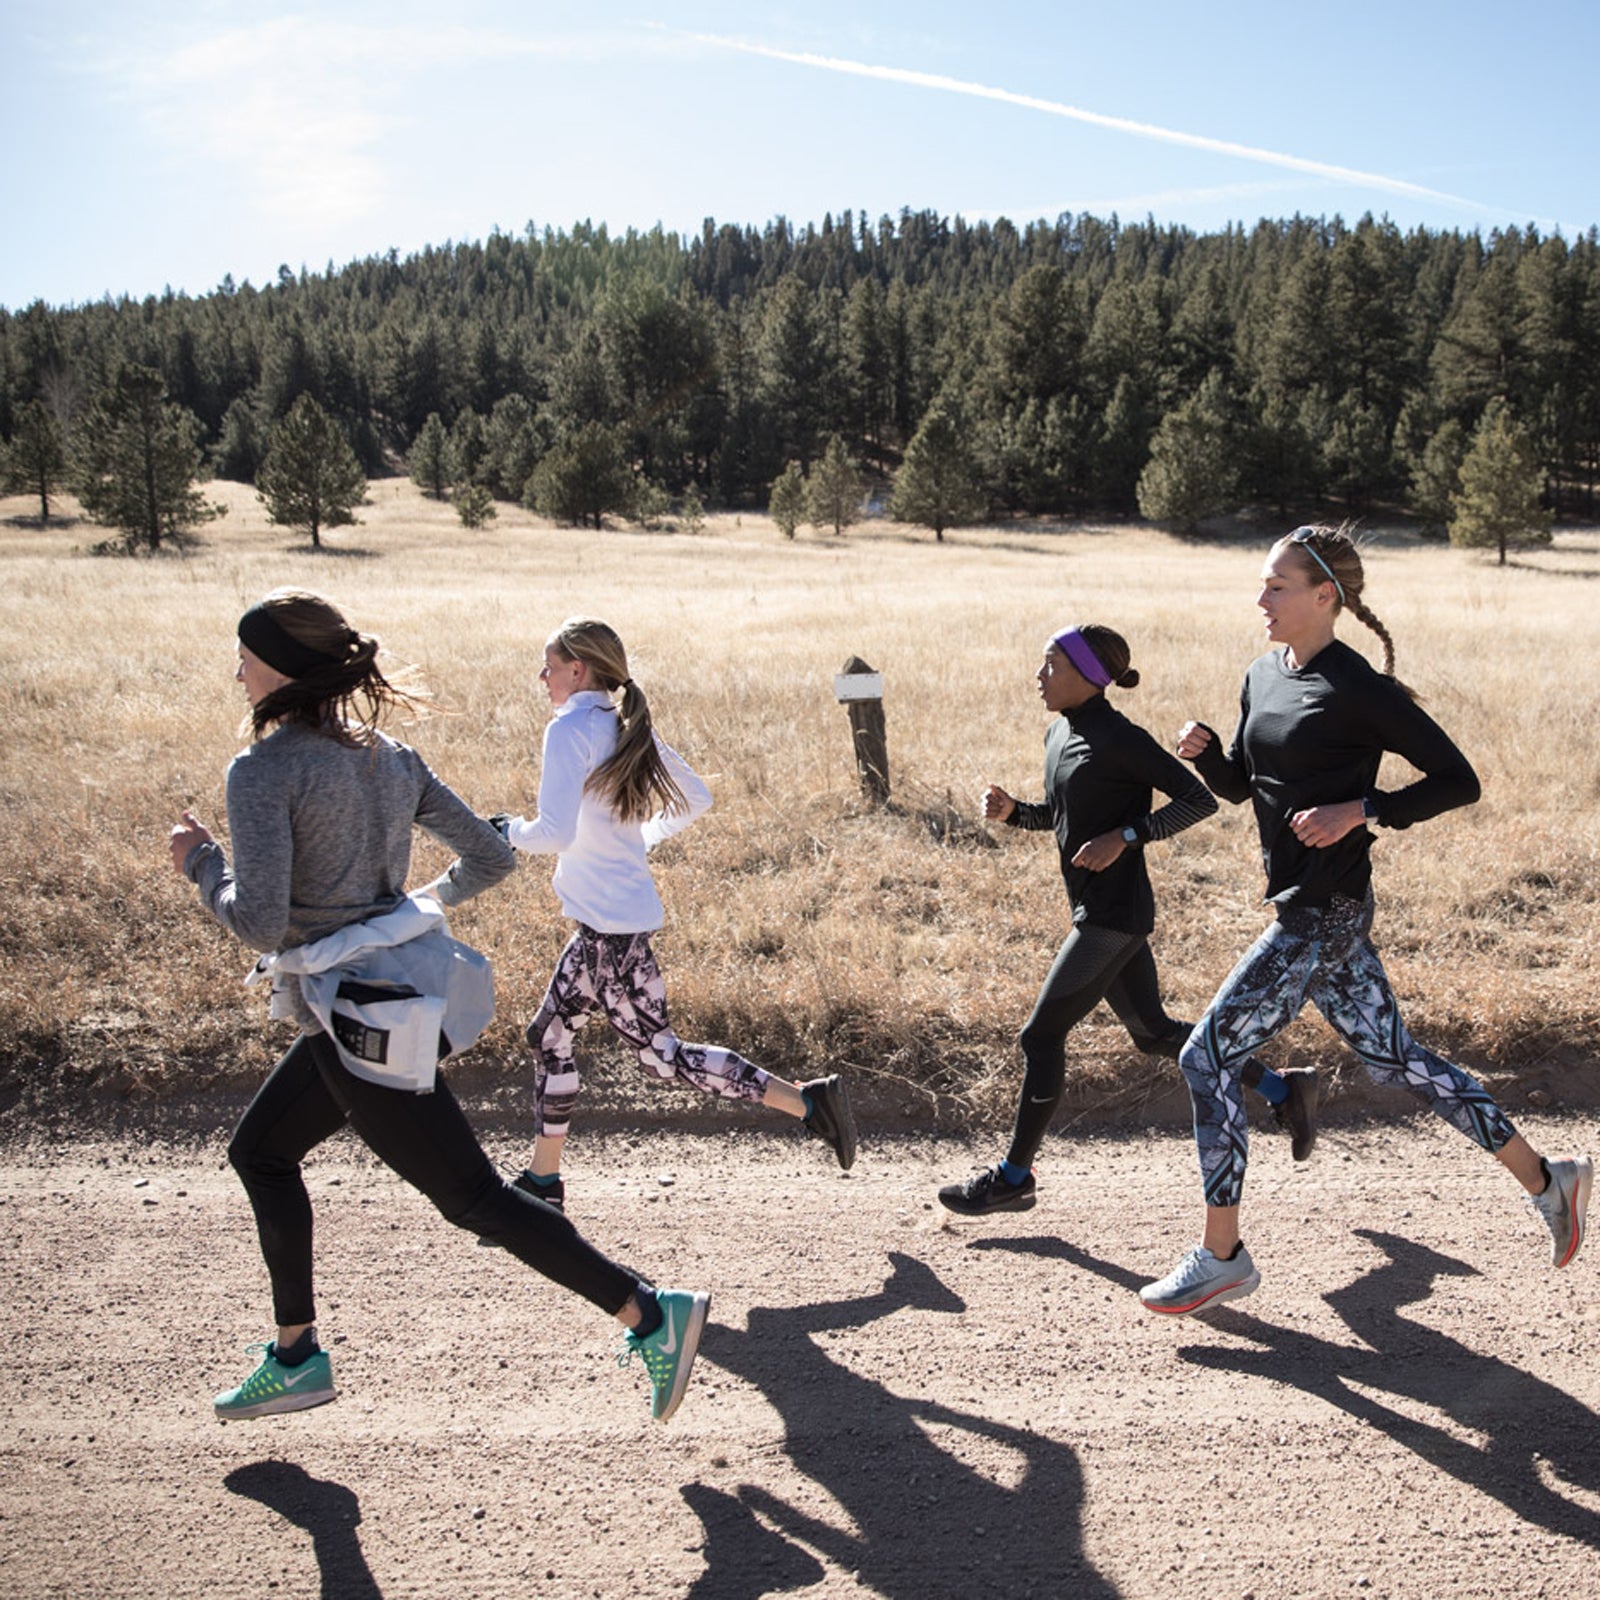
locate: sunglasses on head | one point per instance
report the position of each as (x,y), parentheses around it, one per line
(1303,537)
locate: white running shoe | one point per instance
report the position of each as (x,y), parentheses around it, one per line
(1201,1281)
(1564,1204)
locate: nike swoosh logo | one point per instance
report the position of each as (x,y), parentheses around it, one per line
(1040,1099)
(290,1379)
(669,1345)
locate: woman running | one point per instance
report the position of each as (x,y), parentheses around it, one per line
(1099,772)
(1315,720)
(610,791)
(321,805)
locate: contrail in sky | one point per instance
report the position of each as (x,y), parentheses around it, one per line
(1054,108)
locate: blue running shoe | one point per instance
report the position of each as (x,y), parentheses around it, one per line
(273,1387)
(668,1353)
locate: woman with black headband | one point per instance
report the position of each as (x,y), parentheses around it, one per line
(1315,720)
(1100,770)
(321,807)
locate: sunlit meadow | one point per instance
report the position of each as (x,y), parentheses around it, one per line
(807,929)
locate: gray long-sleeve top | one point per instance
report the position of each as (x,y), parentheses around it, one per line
(321,835)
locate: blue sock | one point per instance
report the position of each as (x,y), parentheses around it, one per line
(1272,1088)
(1012,1173)
(805,1095)
(545,1180)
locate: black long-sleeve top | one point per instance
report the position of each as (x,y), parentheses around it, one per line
(1099,771)
(1315,736)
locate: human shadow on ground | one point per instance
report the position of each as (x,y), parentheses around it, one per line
(917,1520)
(328,1511)
(1521,1420)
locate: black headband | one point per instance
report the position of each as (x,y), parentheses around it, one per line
(265,638)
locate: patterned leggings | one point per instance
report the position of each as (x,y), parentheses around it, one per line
(617,973)
(1321,954)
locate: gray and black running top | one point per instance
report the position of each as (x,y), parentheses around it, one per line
(1099,771)
(1315,735)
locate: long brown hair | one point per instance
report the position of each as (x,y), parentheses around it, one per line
(634,779)
(1332,554)
(349,696)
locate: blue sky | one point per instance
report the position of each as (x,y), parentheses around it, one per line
(211,137)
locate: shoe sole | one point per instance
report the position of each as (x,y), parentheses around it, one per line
(277,1406)
(1024,1202)
(1230,1291)
(1580,1209)
(692,1329)
(843,1138)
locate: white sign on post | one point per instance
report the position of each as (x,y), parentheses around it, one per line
(857,686)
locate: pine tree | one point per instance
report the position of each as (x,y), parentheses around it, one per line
(137,462)
(35,462)
(1191,472)
(310,478)
(1497,505)
(583,478)
(474,505)
(787,505)
(938,484)
(430,458)
(833,491)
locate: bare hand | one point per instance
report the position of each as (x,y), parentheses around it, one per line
(1098,853)
(1193,737)
(997,804)
(1324,825)
(185,836)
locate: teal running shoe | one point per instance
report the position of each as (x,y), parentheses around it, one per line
(273,1387)
(668,1353)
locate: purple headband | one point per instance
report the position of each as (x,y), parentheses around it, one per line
(1075,648)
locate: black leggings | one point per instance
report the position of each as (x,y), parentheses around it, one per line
(424,1138)
(1093,964)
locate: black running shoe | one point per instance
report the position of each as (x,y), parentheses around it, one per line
(553,1194)
(830,1117)
(988,1191)
(1298,1114)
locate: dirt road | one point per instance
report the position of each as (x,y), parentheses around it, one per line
(887,1403)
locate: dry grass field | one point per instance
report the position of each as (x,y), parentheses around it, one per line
(904,946)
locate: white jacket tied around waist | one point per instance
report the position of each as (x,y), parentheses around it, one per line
(396,994)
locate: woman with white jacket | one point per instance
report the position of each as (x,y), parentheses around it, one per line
(609,791)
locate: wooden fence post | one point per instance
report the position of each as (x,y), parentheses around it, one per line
(861,689)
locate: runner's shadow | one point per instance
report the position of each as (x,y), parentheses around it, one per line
(1522,1421)
(328,1511)
(1060,1250)
(917,1519)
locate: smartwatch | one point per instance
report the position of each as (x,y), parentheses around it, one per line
(1130,835)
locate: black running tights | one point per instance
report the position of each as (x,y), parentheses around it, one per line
(424,1138)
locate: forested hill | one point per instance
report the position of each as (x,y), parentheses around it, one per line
(1319,361)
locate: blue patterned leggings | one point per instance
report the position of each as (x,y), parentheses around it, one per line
(617,974)
(1324,955)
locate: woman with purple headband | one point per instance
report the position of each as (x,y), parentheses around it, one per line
(1100,771)
(1315,720)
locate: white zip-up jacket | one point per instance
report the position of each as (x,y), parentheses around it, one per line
(396,994)
(601,877)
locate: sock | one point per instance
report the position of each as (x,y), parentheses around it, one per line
(650,1314)
(1272,1088)
(301,1350)
(1012,1173)
(1544,1167)
(545,1180)
(805,1095)
(1233,1252)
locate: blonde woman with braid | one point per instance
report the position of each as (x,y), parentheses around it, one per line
(1315,721)
(609,791)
